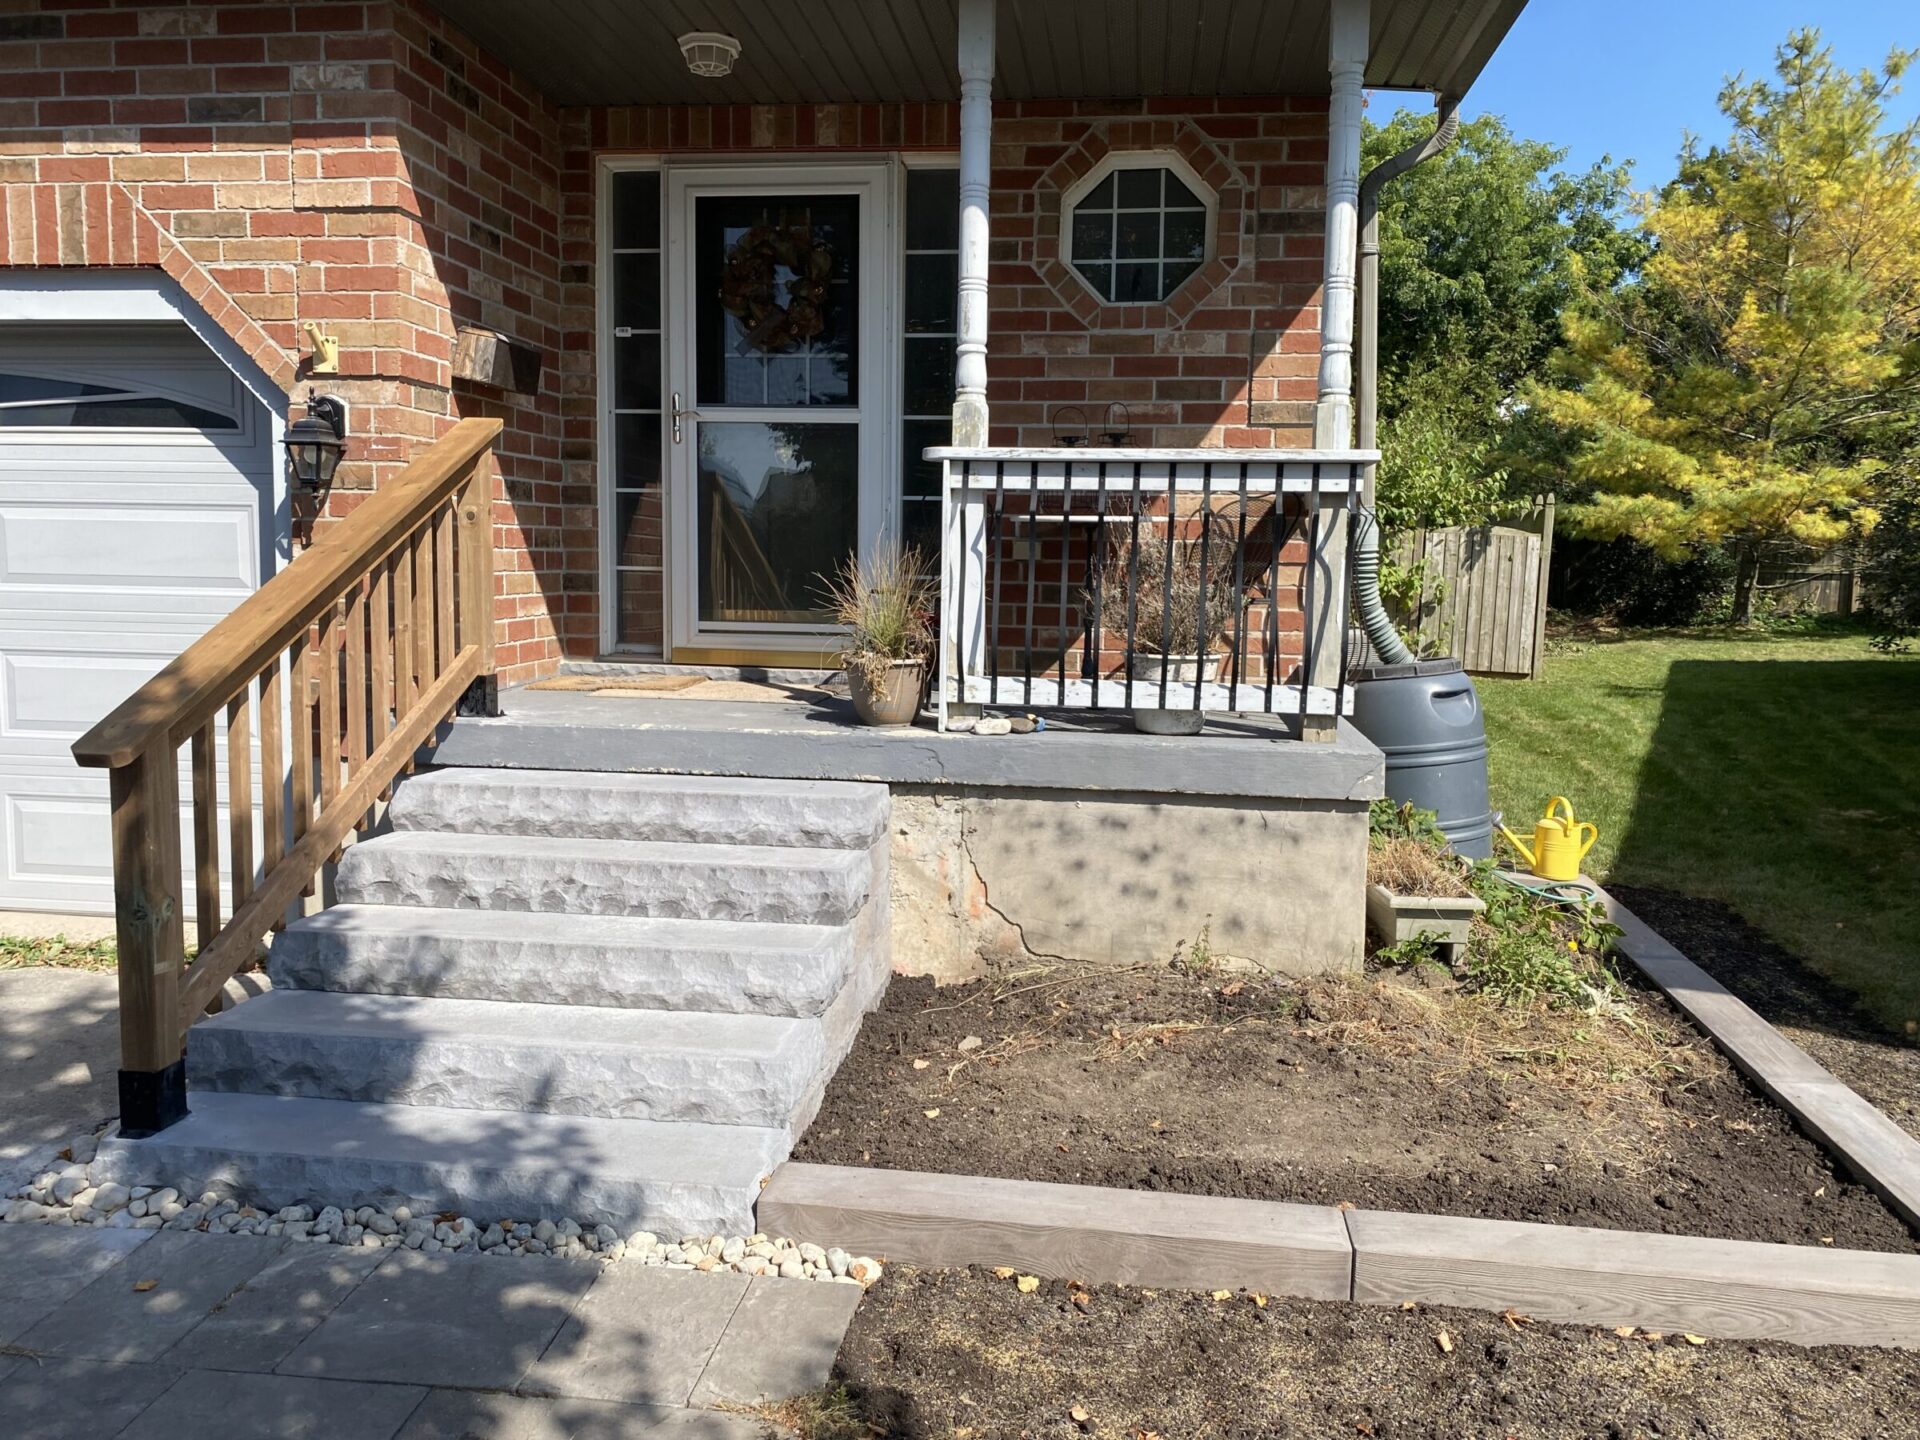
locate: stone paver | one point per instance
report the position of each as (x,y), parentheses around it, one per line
(780,1342)
(285,1407)
(78,1399)
(261,1323)
(640,1335)
(59,1054)
(41,1266)
(467,1414)
(390,1344)
(445,1320)
(122,1317)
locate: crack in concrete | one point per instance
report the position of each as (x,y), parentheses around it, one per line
(986,895)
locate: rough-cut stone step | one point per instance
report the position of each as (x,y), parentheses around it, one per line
(753,1070)
(675,1179)
(606,877)
(627,961)
(697,809)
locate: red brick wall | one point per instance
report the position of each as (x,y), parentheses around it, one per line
(359,165)
(362,165)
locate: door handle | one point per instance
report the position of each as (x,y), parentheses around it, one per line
(678,415)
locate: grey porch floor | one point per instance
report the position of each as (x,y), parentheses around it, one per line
(142,1334)
(817,738)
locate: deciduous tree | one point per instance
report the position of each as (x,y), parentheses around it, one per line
(1751,385)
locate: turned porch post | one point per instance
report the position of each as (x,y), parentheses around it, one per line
(976,168)
(1333,416)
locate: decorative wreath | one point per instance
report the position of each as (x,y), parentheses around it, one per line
(749,292)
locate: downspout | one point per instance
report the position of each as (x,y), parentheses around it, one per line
(1368,607)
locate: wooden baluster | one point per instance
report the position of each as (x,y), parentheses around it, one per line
(273,772)
(356,697)
(300,741)
(380,643)
(400,564)
(443,589)
(148,932)
(422,547)
(329,688)
(476,572)
(206,834)
(329,661)
(240,794)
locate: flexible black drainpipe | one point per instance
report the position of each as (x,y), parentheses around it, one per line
(1367,605)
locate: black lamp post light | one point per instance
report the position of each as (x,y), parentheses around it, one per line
(316,440)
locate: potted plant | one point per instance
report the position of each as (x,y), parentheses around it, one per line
(1183,599)
(885,603)
(1417,889)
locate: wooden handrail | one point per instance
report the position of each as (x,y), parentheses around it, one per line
(338,670)
(198,682)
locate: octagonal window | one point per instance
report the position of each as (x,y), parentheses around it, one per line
(1137,227)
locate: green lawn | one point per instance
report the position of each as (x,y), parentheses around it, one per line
(1780,774)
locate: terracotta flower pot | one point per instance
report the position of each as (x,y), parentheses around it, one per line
(1180,670)
(894,699)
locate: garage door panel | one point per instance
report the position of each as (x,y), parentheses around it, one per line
(119,547)
(60,695)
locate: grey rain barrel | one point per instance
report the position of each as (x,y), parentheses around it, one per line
(1425,717)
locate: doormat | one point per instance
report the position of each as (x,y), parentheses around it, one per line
(601,684)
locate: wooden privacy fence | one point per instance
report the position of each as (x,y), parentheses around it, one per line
(1484,598)
(322,684)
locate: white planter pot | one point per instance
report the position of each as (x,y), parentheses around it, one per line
(1447,918)
(1179,669)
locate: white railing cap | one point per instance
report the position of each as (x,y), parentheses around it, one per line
(1087,454)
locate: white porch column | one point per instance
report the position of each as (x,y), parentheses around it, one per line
(976,168)
(1326,621)
(1346,65)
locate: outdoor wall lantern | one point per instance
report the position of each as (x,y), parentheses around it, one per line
(710,54)
(315,441)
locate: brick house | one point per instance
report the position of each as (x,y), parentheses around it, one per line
(637,320)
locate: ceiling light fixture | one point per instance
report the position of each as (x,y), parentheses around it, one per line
(710,55)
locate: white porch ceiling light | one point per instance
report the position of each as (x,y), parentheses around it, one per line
(710,55)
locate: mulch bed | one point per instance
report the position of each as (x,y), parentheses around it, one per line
(1819,1016)
(963,1354)
(1386,1093)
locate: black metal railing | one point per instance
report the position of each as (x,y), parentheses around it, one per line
(1095,580)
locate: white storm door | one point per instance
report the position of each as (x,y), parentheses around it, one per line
(779,380)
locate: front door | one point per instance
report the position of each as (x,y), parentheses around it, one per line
(776,450)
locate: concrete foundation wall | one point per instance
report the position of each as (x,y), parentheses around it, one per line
(988,874)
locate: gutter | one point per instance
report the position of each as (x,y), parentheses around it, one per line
(1371,613)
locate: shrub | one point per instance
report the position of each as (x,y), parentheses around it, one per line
(1525,948)
(1173,613)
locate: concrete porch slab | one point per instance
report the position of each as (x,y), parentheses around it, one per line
(1251,756)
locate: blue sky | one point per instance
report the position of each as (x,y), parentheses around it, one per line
(1628,77)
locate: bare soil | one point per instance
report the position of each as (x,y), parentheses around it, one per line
(963,1354)
(1391,1093)
(1822,1018)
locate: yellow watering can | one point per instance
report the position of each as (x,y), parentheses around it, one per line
(1560,842)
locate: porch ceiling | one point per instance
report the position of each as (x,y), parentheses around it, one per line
(617,52)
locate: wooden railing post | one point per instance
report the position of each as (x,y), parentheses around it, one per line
(149,928)
(476,586)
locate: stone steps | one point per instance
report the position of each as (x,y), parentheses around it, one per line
(583,876)
(728,966)
(490,1055)
(615,997)
(677,1178)
(687,809)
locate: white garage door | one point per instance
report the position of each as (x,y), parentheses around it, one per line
(136,484)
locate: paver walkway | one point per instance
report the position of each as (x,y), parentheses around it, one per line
(59,1051)
(156,1335)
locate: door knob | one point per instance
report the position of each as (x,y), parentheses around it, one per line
(678,415)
